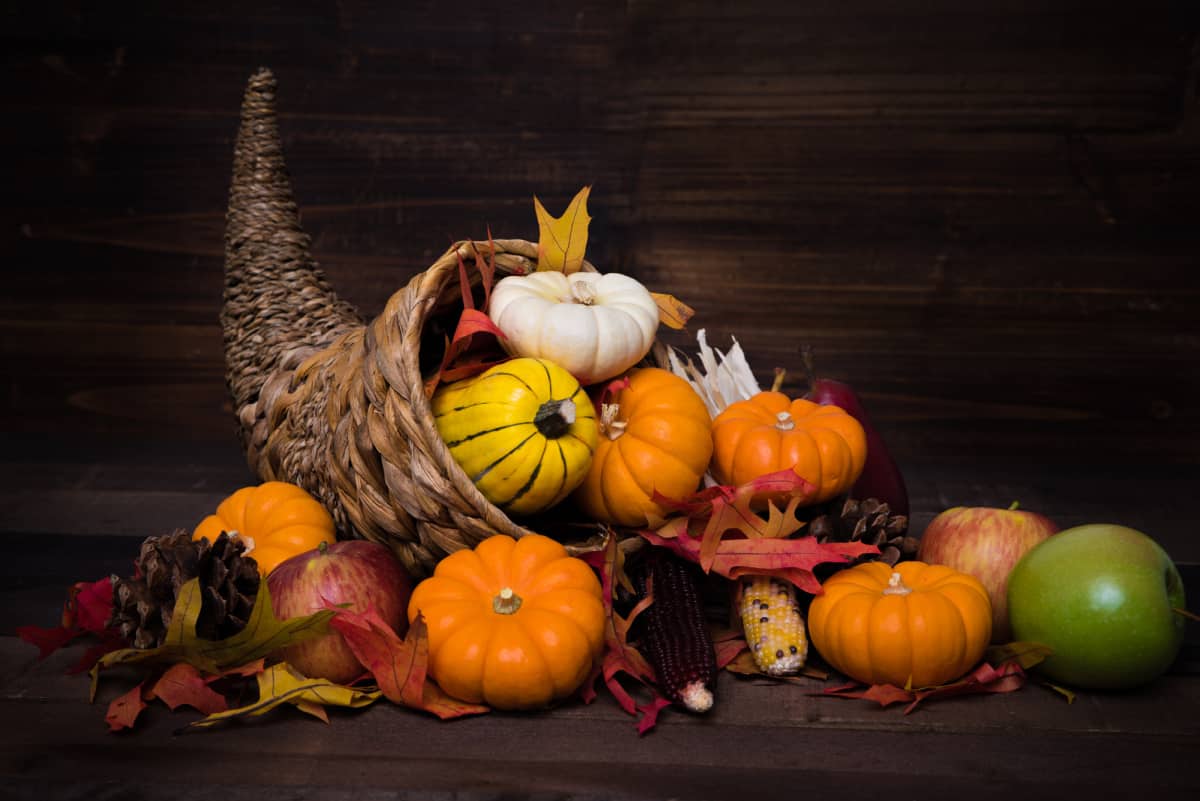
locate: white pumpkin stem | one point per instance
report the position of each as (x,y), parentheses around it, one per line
(784,421)
(609,424)
(896,586)
(582,292)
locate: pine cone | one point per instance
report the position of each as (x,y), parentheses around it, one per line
(143,604)
(870,521)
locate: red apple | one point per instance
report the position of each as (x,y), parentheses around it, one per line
(354,572)
(986,543)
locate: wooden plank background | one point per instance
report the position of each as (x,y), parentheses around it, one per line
(982,218)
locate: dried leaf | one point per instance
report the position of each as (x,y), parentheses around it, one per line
(182,685)
(562,241)
(282,684)
(744,665)
(758,547)
(1007,678)
(1063,691)
(672,312)
(728,645)
(398,666)
(619,656)
(124,710)
(1025,654)
(89,606)
(264,634)
(86,611)
(472,349)
(47,640)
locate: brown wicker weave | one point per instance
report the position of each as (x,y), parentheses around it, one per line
(325,401)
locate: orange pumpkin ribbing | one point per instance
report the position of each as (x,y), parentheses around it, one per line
(912,625)
(279,520)
(515,624)
(656,437)
(769,432)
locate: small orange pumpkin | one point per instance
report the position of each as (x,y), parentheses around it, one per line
(655,435)
(769,432)
(515,624)
(276,520)
(912,625)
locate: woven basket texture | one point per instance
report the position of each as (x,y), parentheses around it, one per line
(325,400)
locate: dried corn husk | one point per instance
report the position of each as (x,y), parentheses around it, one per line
(721,378)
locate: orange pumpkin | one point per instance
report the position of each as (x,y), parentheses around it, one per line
(655,435)
(275,520)
(769,432)
(912,625)
(515,624)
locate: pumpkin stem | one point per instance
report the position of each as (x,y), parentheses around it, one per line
(507,602)
(555,418)
(582,293)
(778,382)
(896,586)
(609,424)
(784,421)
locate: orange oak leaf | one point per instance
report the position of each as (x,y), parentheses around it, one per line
(398,666)
(717,529)
(182,684)
(124,710)
(790,559)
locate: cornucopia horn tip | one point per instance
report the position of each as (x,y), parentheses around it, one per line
(277,303)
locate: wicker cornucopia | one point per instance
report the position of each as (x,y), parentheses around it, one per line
(326,401)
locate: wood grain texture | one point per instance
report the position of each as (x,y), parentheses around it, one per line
(982,218)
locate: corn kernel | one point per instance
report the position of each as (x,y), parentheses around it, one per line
(774,627)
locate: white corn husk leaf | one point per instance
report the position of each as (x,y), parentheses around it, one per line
(721,378)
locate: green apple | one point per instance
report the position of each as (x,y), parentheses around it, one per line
(1103,597)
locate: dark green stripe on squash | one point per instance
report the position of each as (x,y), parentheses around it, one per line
(486,431)
(537,468)
(479,476)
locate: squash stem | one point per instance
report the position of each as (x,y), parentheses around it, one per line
(784,421)
(555,418)
(778,382)
(506,602)
(610,426)
(896,586)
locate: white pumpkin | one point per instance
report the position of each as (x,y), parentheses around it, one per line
(594,325)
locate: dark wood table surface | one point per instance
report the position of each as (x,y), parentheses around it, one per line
(984,219)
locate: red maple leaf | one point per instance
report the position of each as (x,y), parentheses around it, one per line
(399,667)
(86,611)
(472,349)
(717,529)
(1006,678)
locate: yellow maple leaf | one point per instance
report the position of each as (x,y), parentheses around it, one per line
(563,240)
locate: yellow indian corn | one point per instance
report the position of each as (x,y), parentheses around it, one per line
(774,627)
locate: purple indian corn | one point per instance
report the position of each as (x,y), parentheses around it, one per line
(675,638)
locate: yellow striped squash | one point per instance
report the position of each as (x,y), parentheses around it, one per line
(524,431)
